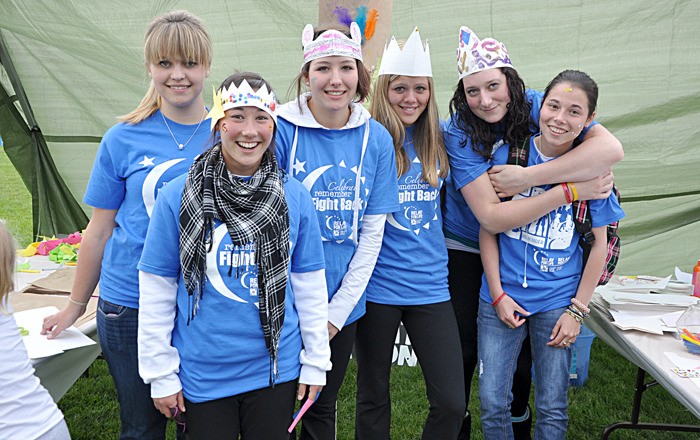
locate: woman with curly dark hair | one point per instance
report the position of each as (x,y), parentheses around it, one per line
(491,108)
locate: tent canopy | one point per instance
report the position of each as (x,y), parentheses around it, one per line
(70,67)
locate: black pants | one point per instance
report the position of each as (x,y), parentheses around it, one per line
(319,421)
(432,329)
(465,271)
(261,414)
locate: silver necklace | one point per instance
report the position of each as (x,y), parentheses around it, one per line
(179,145)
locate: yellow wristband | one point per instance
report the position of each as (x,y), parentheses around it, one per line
(574,192)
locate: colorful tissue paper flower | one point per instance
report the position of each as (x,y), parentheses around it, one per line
(63,253)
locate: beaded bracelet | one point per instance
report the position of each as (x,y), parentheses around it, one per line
(567,193)
(77,303)
(497,300)
(574,192)
(579,305)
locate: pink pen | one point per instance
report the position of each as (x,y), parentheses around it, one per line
(301,412)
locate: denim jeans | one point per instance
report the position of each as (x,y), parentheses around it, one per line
(117,329)
(498,354)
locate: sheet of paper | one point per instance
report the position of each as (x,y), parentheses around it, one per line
(640,283)
(670,318)
(683,276)
(38,345)
(685,363)
(634,321)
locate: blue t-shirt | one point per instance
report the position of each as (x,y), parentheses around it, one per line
(546,252)
(133,163)
(412,264)
(222,350)
(326,163)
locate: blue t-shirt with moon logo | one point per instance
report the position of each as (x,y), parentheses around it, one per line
(133,163)
(222,349)
(326,163)
(412,265)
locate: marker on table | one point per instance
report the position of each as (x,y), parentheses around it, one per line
(29,271)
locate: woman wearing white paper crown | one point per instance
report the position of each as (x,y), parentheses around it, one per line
(403,289)
(153,144)
(345,159)
(491,109)
(233,303)
(552,306)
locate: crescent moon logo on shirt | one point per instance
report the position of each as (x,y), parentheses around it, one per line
(150,184)
(333,201)
(213,273)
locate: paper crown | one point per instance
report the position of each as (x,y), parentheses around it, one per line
(242,96)
(331,43)
(474,55)
(412,60)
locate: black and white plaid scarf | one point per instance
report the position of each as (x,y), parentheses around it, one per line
(254,212)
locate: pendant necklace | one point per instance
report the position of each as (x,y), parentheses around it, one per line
(179,145)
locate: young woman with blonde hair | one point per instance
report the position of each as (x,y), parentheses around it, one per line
(151,145)
(409,282)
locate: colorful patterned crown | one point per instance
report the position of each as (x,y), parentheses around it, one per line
(242,96)
(412,60)
(474,55)
(331,43)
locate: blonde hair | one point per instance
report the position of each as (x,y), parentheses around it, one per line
(176,35)
(427,137)
(7,264)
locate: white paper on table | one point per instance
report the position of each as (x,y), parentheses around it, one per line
(685,363)
(650,323)
(683,276)
(618,297)
(670,319)
(640,284)
(38,345)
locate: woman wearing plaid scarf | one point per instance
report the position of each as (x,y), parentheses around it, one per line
(233,291)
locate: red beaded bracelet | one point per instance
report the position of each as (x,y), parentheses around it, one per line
(497,300)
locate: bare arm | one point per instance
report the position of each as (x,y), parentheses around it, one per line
(490,256)
(87,273)
(599,151)
(496,216)
(567,329)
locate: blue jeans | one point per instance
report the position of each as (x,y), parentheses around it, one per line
(117,330)
(498,355)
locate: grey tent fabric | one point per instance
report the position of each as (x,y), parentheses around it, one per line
(80,64)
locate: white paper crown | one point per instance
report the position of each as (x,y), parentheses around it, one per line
(474,55)
(242,96)
(331,43)
(412,60)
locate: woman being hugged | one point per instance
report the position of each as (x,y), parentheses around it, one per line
(403,288)
(151,145)
(345,159)
(551,305)
(233,303)
(491,109)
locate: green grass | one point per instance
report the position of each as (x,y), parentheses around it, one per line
(15,202)
(92,412)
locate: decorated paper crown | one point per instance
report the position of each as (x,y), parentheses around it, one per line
(412,60)
(474,55)
(331,43)
(242,96)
